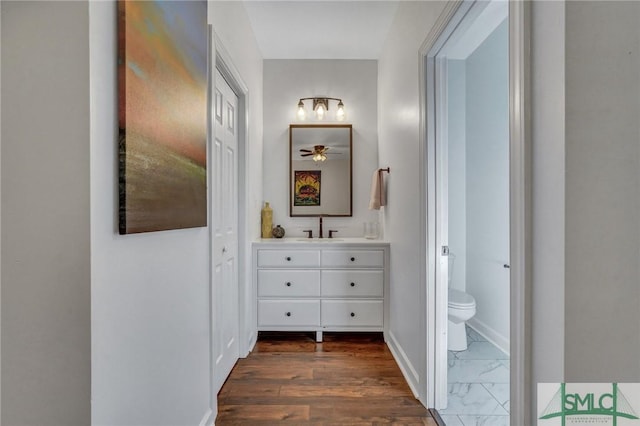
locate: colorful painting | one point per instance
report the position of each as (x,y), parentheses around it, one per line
(306,188)
(162,114)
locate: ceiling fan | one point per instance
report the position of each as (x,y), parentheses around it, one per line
(319,152)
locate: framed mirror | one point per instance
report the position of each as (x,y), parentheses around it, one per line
(320,170)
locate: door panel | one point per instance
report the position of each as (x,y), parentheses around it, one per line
(225,232)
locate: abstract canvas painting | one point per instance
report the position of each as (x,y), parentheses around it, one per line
(162,114)
(307,188)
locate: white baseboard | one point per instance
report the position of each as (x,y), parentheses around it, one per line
(490,334)
(208,418)
(408,371)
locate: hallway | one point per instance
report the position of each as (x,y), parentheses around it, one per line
(347,379)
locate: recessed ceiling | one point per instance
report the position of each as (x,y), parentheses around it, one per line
(321,29)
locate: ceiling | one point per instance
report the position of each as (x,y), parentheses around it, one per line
(312,29)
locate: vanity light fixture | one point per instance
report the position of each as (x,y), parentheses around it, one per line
(320,108)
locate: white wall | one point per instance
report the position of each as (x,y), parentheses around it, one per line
(46,334)
(487,184)
(457,159)
(602,334)
(399,125)
(548,172)
(285,82)
(150,292)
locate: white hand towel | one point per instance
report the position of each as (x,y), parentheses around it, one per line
(377,191)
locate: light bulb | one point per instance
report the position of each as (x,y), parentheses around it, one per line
(320,111)
(319,157)
(302,114)
(340,112)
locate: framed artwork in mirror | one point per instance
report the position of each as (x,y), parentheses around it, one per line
(307,187)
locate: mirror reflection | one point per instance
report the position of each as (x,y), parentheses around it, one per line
(320,180)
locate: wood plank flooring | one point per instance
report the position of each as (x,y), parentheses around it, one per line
(349,379)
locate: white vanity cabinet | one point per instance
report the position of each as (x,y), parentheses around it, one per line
(321,285)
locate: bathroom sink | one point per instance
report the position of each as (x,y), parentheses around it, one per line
(319,240)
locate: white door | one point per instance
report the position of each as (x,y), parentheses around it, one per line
(224,208)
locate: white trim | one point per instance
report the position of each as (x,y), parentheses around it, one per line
(520,211)
(435,366)
(207,419)
(1,197)
(408,370)
(221,61)
(439,177)
(487,16)
(489,333)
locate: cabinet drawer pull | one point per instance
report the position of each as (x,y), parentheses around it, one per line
(353,314)
(288,258)
(288,284)
(288,314)
(353,259)
(353,284)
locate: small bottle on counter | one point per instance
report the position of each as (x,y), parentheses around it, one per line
(278,231)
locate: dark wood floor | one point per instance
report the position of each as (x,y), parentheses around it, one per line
(349,379)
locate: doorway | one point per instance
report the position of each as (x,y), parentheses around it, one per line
(474,171)
(233,332)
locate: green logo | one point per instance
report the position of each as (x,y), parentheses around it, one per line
(613,405)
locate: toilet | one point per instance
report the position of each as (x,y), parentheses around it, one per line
(462,307)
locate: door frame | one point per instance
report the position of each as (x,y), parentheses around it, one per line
(519,204)
(221,61)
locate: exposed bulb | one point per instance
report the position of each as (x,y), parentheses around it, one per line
(320,112)
(302,114)
(340,112)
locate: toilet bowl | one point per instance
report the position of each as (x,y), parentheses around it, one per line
(462,307)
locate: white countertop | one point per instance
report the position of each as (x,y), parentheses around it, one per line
(321,242)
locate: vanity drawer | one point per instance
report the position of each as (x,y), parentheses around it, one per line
(291,313)
(288,258)
(346,283)
(288,283)
(353,258)
(345,313)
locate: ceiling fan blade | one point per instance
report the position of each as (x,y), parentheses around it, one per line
(305,150)
(306,155)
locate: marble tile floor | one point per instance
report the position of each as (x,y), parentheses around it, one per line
(478,385)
